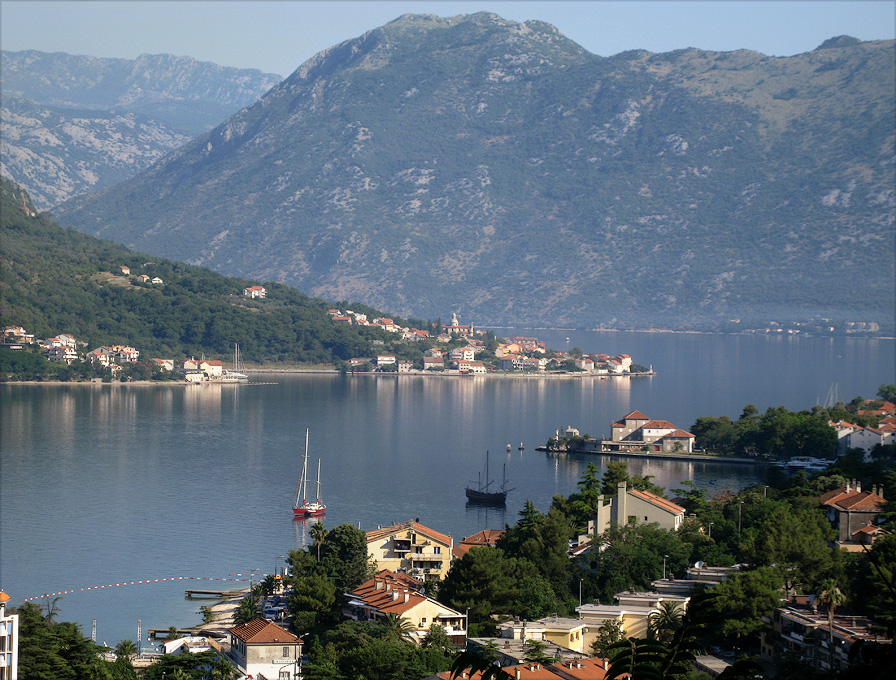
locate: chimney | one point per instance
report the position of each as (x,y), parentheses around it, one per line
(874,489)
(394,595)
(517,673)
(406,596)
(859,487)
(847,486)
(880,491)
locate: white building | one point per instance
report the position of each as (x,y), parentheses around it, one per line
(9,641)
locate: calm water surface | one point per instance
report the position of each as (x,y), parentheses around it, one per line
(104,485)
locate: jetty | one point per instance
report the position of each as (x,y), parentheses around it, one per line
(213,593)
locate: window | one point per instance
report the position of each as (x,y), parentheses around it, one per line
(286,654)
(285,674)
(437,550)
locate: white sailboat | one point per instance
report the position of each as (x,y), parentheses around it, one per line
(235,375)
(301,506)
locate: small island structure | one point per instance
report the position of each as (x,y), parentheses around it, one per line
(633,433)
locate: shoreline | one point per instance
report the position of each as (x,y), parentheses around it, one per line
(333,371)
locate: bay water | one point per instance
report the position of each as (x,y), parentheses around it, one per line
(105,486)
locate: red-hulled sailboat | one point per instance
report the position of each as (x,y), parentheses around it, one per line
(301,507)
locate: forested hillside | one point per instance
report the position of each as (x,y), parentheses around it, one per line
(58,280)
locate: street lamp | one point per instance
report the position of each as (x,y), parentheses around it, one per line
(580,592)
(664,569)
(710,530)
(279,557)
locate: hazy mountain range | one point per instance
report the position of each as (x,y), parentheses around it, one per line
(498,170)
(73,124)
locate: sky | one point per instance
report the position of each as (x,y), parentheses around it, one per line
(277,37)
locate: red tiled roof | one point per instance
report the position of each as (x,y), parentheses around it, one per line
(681,434)
(486,537)
(659,501)
(659,425)
(383,532)
(397,593)
(635,415)
(260,631)
(852,500)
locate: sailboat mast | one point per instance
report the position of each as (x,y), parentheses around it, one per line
(318,480)
(305,468)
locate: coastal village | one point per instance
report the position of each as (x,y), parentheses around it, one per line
(410,558)
(457,349)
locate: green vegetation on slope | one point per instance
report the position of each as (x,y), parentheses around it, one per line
(56,280)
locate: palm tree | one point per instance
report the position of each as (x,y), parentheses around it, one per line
(397,627)
(318,534)
(830,598)
(663,623)
(52,608)
(126,649)
(247,609)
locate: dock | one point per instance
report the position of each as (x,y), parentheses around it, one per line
(213,593)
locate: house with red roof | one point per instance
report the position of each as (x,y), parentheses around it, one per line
(850,510)
(255,292)
(411,548)
(389,592)
(637,432)
(484,538)
(262,649)
(632,505)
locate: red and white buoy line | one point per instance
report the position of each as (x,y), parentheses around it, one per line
(233,577)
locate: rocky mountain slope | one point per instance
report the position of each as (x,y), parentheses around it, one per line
(498,170)
(73,124)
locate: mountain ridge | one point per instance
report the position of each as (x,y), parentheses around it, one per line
(502,171)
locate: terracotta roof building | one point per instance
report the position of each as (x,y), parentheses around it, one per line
(486,537)
(632,505)
(262,649)
(411,548)
(396,593)
(850,509)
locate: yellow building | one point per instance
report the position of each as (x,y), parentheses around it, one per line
(411,548)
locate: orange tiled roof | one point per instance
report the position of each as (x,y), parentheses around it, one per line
(261,631)
(659,425)
(852,500)
(659,501)
(635,415)
(397,593)
(384,532)
(486,537)
(678,433)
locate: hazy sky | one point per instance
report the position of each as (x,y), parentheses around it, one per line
(277,37)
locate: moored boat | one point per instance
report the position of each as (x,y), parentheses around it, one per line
(482,495)
(301,506)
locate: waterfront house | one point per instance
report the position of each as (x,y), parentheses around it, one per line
(432,363)
(411,548)
(261,648)
(397,593)
(405,366)
(637,432)
(385,360)
(255,292)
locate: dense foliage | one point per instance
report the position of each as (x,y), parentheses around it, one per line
(56,280)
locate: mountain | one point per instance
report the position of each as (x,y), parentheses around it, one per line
(498,170)
(73,124)
(56,280)
(59,153)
